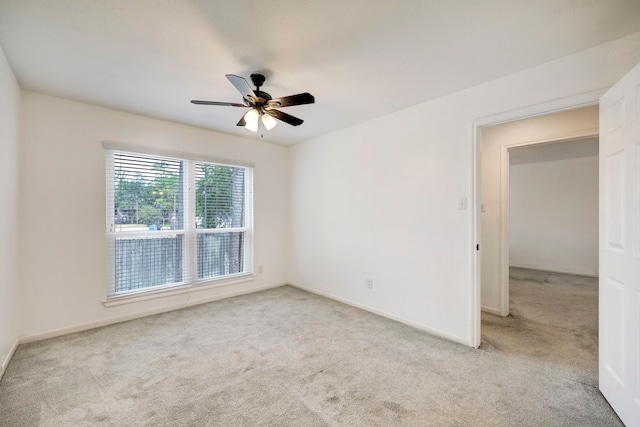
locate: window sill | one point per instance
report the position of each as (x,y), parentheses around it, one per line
(186,289)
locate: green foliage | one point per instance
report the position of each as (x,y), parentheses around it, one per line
(164,188)
(214,196)
(147,197)
(129,191)
(155,194)
(149,215)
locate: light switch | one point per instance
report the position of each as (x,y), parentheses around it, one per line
(462,203)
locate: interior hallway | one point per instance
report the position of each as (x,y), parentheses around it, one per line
(553,322)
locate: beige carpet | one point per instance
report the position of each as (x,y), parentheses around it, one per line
(286,357)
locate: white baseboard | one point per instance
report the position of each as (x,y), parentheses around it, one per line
(490,310)
(400,319)
(92,325)
(546,270)
(7,359)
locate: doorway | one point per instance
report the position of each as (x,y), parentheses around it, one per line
(521,127)
(538,176)
(619,304)
(569,129)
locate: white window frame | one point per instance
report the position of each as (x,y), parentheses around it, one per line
(190,231)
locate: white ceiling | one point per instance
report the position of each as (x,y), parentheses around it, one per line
(360,58)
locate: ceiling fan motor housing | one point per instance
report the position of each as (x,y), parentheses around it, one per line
(262,97)
(258,79)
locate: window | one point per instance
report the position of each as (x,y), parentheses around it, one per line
(175,222)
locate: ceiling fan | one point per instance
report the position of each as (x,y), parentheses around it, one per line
(261,104)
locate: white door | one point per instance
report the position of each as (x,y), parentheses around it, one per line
(620,247)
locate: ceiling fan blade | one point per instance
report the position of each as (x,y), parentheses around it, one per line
(242,86)
(286,101)
(241,122)
(287,118)
(224,104)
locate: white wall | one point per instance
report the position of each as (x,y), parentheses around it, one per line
(9,136)
(375,200)
(554,215)
(62,229)
(381,199)
(494,138)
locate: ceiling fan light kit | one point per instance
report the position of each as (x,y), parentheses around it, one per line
(251,120)
(269,122)
(262,106)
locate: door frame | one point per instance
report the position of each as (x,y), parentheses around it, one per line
(475,140)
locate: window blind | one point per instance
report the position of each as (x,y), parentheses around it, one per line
(175,222)
(221,203)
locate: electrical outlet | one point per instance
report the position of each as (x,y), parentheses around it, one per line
(370,283)
(260,269)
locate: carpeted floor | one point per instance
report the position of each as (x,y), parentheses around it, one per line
(286,357)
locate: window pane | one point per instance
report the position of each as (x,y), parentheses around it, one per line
(146,262)
(219,254)
(219,196)
(147,193)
